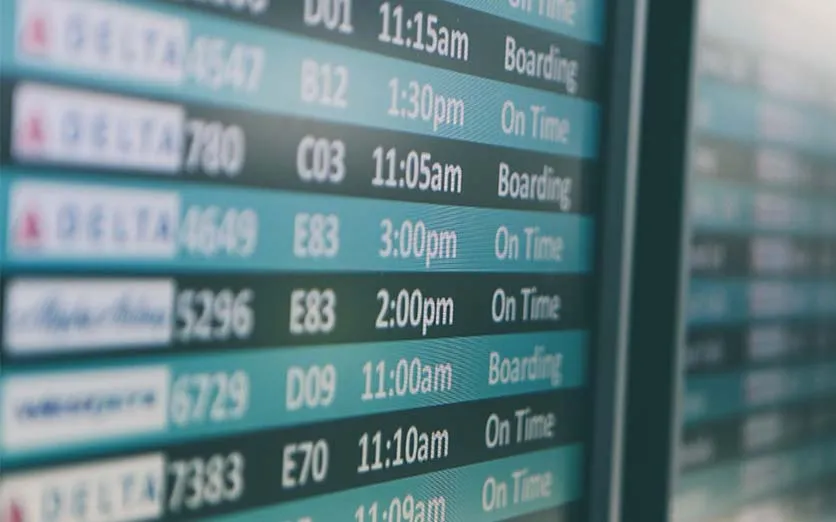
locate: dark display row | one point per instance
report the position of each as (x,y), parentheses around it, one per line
(230,311)
(764,165)
(724,348)
(436,33)
(715,254)
(757,433)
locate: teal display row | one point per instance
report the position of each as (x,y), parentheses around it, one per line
(717,396)
(730,301)
(72,220)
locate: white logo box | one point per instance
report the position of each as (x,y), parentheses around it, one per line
(113,491)
(75,127)
(49,316)
(129,56)
(20,432)
(113,208)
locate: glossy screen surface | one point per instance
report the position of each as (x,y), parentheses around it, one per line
(299,260)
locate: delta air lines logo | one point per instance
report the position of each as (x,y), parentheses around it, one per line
(123,490)
(28,229)
(81,35)
(67,126)
(29,133)
(52,220)
(13,512)
(35,32)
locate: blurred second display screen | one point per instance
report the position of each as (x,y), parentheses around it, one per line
(758,433)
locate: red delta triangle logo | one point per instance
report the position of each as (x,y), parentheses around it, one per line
(31,136)
(13,513)
(34,38)
(28,232)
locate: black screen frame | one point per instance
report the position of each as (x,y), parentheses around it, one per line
(620,127)
(660,271)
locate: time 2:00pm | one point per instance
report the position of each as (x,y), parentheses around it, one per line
(411,309)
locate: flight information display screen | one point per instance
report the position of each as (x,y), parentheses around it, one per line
(298,260)
(758,439)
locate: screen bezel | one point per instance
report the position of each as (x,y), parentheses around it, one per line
(660,271)
(621,107)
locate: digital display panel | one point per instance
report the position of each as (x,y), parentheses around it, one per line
(758,436)
(299,260)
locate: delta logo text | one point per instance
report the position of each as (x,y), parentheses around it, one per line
(58,315)
(75,221)
(115,40)
(68,126)
(124,490)
(64,408)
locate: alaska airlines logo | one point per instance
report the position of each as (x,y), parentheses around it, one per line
(68,126)
(90,35)
(83,406)
(54,315)
(55,220)
(124,490)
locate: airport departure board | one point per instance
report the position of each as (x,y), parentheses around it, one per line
(298,260)
(758,440)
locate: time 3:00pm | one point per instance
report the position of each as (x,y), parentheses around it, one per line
(212,231)
(317,236)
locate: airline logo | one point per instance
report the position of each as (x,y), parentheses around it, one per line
(61,315)
(68,126)
(56,220)
(83,406)
(102,38)
(124,490)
